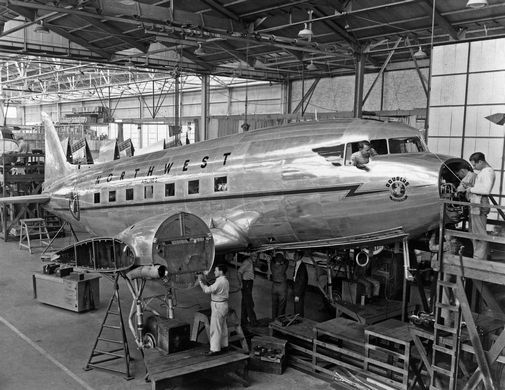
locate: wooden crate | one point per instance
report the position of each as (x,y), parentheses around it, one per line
(70,292)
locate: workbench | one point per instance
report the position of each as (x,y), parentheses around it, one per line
(162,369)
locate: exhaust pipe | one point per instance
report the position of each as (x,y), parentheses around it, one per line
(154,271)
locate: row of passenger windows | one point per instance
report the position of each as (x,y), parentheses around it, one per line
(220,185)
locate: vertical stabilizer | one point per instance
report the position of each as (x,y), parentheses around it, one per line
(56,165)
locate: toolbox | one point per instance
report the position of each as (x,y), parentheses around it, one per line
(268,354)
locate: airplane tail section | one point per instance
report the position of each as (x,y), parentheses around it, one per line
(56,165)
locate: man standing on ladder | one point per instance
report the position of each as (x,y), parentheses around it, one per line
(479,193)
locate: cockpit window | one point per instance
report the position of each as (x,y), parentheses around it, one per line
(405,145)
(333,154)
(380,146)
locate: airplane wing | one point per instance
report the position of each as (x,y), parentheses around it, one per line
(375,238)
(40,198)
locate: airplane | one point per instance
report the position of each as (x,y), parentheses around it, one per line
(284,186)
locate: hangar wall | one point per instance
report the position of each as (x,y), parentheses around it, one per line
(468,84)
(395,90)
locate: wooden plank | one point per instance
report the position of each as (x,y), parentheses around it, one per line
(488,297)
(164,367)
(422,352)
(474,335)
(473,236)
(392,330)
(302,330)
(334,348)
(344,329)
(487,271)
(492,356)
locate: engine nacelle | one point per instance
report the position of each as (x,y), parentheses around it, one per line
(181,242)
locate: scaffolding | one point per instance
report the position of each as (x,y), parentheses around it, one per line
(468,341)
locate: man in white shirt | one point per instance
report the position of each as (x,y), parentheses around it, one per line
(219,292)
(479,194)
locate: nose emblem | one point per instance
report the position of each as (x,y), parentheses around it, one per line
(397,188)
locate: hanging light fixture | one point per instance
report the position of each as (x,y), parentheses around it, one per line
(306,31)
(199,50)
(476,3)
(420,54)
(41,28)
(311,66)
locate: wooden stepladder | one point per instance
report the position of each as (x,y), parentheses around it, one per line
(108,347)
(447,335)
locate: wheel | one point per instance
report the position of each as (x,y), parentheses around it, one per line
(149,341)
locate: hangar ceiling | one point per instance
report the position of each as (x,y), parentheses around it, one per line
(257,39)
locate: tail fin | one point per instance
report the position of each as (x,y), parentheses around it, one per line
(56,165)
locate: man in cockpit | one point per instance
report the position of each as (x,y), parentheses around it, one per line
(362,157)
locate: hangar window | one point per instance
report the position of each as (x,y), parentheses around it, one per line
(193,187)
(170,189)
(406,145)
(112,196)
(96,198)
(332,154)
(220,184)
(129,194)
(148,192)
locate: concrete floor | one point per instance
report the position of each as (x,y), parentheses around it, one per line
(45,347)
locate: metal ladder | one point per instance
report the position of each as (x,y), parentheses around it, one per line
(106,348)
(446,343)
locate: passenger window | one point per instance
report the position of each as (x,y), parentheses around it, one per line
(170,189)
(193,187)
(333,154)
(148,192)
(96,197)
(220,184)
(129,194)
(380,146)
(112,196)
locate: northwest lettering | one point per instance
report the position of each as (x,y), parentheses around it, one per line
(164,169)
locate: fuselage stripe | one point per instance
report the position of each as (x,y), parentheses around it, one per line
(351,188)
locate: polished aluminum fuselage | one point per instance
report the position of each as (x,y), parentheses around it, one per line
(278,188)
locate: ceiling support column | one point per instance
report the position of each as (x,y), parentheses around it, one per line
(204,119)
(360,59)
(286,96)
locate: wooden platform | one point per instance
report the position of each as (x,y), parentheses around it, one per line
(371,313)
(162,369)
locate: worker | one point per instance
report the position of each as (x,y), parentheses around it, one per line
(479,194)
(467,180)
(278,268)
(300,281)
(22,149)
(362,157)
(246,281)
(219,293)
